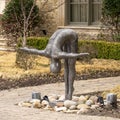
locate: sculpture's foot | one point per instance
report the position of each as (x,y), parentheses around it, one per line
(69,96)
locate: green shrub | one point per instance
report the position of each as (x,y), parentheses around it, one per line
(97,49)
(101,49)
(37,42)
(111,17)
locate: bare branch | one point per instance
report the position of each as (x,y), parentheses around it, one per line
(30,22)
(31,10)
(54,8)
(44,4)
(23,9)
(18,22)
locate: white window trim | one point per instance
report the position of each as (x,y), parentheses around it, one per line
(2,6)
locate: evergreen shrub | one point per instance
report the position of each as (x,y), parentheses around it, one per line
(37,42)
(101,49)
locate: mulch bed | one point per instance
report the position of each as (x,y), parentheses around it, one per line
(34,80)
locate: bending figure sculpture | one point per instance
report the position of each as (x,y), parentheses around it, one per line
(63,44)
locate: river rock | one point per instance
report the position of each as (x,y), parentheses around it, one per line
(70,111)
(94,99)
(75,98)
(36,104)
(53,97)
(59,103)
(58,109)
(94,106)
(82,99)
(89,102)
(34,100)
(62,97)
(87,96)
(83,106)
(83,111)
(45,103)
(73,107)
(24,104)
(69,103)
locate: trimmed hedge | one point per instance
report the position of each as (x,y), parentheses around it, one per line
(37,42)
(101,49)
(97,49)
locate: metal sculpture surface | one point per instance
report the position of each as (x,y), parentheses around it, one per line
(63,44)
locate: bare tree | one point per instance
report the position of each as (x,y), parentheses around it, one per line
(21,21)
(26,20)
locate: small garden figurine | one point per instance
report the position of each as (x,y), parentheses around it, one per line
(63,44)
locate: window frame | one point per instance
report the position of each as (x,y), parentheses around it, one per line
(89,15)
(2,6)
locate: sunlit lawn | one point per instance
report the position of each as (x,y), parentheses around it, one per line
(8,66)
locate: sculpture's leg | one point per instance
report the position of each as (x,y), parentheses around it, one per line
(66,73)
(71,77)
(69,69)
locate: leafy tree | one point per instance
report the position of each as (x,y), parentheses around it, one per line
(111,17)
(20,18)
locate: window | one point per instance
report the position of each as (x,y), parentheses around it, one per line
(85,12)
(2,6)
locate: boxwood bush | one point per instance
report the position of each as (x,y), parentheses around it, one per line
(37,42)
(101,49)
(96,48)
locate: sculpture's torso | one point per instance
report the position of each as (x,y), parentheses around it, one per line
(61,39)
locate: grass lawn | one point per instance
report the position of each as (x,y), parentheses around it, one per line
(9,69)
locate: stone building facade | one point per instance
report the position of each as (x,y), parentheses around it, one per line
(80,15)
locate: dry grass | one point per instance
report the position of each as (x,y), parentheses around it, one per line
(8,67)
(115,90)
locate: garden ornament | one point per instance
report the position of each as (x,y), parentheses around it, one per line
(63,44)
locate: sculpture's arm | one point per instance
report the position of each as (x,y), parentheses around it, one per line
(71,55)
(34,51)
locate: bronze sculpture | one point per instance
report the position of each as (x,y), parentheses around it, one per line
(62,45)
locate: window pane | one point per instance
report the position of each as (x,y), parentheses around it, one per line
(96,10)
(78,11)
(74,13)
(83,10)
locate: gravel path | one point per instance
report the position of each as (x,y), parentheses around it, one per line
(9,111)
